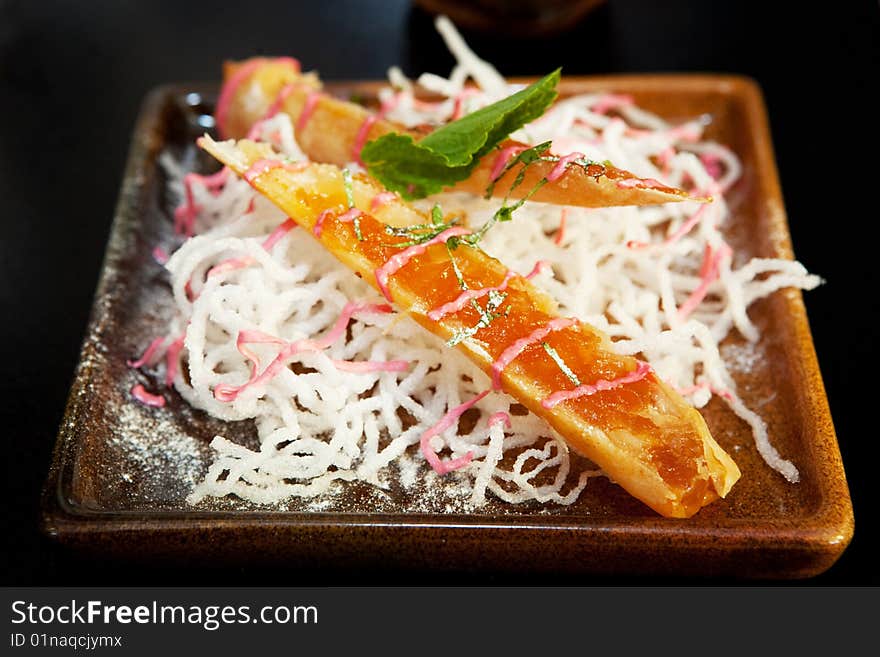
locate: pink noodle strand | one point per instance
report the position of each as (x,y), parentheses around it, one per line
(514,350)
(226,392)
(707,266)
(391,103)
(686,227)
(230,265)
(540,266)
(709,273)
(442,467)
(147,398)
(460,97)
(149,356)
(285,227)
(682,230)
(172,360)
(638,374)
(722,392)
(247,337)
(256,131)
(611,101)
(692,389)
(184,219)
(712,163)
(240,263)
(399,260)
(560,232)
(685,132)
(186,213)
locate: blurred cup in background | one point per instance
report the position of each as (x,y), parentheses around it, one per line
(538,18)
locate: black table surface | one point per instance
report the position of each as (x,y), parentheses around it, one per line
(73,75)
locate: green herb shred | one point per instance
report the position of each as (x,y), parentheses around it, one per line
(416,169)
(561,363)
(349,197)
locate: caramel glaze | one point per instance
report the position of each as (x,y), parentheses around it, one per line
(430,278)
(643,434)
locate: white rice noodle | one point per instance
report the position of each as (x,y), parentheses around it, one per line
(320,425)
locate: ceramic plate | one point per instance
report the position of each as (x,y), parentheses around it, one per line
(121,471)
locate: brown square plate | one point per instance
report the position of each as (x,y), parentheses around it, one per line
(121,471)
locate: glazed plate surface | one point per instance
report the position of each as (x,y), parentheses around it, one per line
(121,471)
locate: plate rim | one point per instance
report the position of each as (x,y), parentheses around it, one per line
(820,536)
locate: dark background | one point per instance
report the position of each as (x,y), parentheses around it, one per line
(72,77)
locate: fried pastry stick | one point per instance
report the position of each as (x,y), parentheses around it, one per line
(334,131)
(611,408)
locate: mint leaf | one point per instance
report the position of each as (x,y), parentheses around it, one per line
(416,169)
(474,135)
(407,168)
